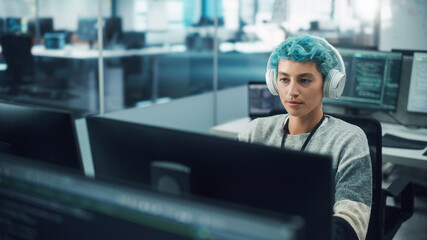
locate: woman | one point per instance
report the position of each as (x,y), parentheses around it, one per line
(299,68)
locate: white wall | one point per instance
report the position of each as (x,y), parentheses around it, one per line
(403,25)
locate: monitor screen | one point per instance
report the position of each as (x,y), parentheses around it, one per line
(417,96)
(38,133)
(251,175)
(113,30)
(87,29)
(261,102)
(2,28)
(42,202)
(13,25)
(133,40)
(372,80)
(45,25)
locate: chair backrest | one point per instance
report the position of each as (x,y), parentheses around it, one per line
(16,49)
(372,129)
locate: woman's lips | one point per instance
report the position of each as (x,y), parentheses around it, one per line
(294,104)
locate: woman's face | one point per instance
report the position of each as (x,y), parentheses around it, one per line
(300,87)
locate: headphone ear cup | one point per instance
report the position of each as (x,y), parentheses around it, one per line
(334,83)
(271,80)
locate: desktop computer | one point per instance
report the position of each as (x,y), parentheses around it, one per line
(261,102)
(2,27)
(13,25)
(41,201)
(188,164)
(40,133)
(87,30)
(372,80)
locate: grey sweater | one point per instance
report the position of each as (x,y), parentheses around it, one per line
(348,146)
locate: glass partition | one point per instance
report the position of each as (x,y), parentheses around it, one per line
(157,51)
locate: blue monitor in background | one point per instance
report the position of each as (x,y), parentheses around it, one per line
(87,30)
(372,80)
(13,25)
(46,202)
(39,133)
(183,163)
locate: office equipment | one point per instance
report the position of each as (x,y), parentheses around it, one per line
(2,28)
(417,97)
(87,30)
(54,40)
(42,25)
(13,25)
(46,202)
(394,141)
(43,134)
(261,102)
(16,50)
(372,80)
(112,30)
(252,175)
(133,40)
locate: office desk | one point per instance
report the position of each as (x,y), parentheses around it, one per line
(75,52)
(407,157)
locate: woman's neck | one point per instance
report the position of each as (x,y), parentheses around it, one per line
(305,124)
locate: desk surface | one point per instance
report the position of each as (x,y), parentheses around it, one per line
(408,157)
(72,52)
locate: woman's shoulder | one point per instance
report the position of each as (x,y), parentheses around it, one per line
(342,127)
(263,125)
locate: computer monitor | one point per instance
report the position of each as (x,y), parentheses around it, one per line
(258,176)
(45,25)
(42,134)
(372,80)
(261,102)
(133,40)
(43,202)
(13,25)
(113,30)
(87,30)
(2,28)
(417,96)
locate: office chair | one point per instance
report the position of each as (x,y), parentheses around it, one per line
(385,220)
(16,51)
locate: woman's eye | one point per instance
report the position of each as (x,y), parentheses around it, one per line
(305,80)
(284,80)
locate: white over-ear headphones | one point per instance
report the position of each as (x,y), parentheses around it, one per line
(334,82)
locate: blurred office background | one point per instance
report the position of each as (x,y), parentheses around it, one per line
(186,64)
(157,52)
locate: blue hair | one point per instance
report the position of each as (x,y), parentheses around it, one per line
(305,48)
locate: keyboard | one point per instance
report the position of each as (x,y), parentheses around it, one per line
(399,142)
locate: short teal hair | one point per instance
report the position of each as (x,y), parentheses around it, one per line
(305,48)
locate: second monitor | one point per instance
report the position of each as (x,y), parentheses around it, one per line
(372,80)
